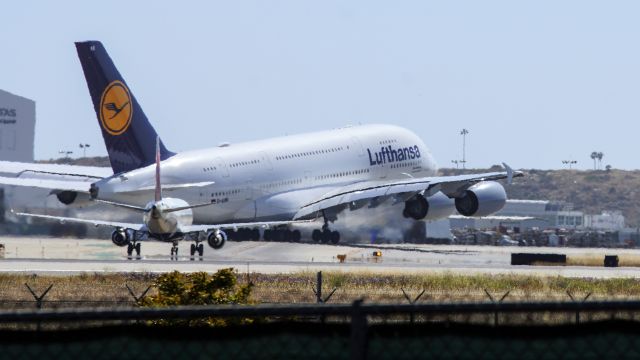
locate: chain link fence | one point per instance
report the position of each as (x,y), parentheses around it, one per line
(500,330)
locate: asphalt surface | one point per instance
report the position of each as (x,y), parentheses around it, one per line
(72,256)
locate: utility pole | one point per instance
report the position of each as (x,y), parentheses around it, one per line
(464,133)
(569,162)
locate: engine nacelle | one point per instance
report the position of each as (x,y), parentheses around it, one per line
(120,237)
(216,239)
(73,197)
(482,199)
(436,206)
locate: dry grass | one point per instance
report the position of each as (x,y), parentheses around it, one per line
(109,290)
(628,260)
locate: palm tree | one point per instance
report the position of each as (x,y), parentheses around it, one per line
(594,155)
(600,155)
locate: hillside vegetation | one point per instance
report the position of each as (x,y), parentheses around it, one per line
(590,191)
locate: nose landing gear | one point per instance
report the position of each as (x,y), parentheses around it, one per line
(131,247)
(174,251)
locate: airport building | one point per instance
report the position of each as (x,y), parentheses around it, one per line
(17,127)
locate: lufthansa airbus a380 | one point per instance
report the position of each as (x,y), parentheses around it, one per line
(237,189)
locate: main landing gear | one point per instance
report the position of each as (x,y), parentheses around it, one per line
(198,247)
(325,235)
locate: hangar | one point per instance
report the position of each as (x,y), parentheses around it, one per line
(17,127)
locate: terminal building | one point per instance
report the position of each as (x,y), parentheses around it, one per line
(17,127)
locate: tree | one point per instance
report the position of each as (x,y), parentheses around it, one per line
(600,155)
(594,155)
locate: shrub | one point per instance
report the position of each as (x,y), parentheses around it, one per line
(200,288)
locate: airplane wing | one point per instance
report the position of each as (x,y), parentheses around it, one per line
(63,219)
(54,185)
(18,169)
(182,229)
(401,190)
(235,226)
(51,176)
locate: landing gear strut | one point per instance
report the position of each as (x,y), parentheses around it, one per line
(174,251)
(325,235)
(198,247)
(131,247)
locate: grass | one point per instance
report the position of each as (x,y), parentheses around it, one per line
(110,290)
(628,260)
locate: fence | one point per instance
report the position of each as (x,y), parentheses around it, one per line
(356,331)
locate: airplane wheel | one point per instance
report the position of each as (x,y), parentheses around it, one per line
(255,234)
(335,237)
(137,248)
(129,250)
(326,236)
(296,236)
(200,249)
(266,235)
(316,235)
(193,249)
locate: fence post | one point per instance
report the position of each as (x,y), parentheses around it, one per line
(318,290)
(574,300)
(138,298)
(495,314)
(358,331)
(40,298)
(319,287)
(412,302)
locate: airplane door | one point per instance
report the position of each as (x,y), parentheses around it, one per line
(357,146)
(380,171)
(265,160)
(222,167)
(248,190)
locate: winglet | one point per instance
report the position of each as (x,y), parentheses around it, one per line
(158,186)
(509,173)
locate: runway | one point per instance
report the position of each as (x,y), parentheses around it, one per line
(73,256)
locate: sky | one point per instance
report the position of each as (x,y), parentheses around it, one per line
(534,82)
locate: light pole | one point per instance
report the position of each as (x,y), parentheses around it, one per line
(455,162)
(84,149)
(464,133)
(66,153)
(569,162)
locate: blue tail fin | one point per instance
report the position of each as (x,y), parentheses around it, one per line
(127,133)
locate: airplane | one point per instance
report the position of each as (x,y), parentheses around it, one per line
(272,184)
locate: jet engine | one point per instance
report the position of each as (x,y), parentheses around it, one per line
(434,207)
(120,237)
(216,239)
(481,199)
(73,197)
(417,207)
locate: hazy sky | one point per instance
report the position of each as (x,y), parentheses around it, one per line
(535,82)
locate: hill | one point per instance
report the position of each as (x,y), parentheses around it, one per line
(589,191)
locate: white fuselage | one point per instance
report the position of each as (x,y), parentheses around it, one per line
(271,179)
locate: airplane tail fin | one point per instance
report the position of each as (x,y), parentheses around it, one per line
(127,133)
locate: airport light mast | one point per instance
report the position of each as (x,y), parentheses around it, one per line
(464,133)
(84,149)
